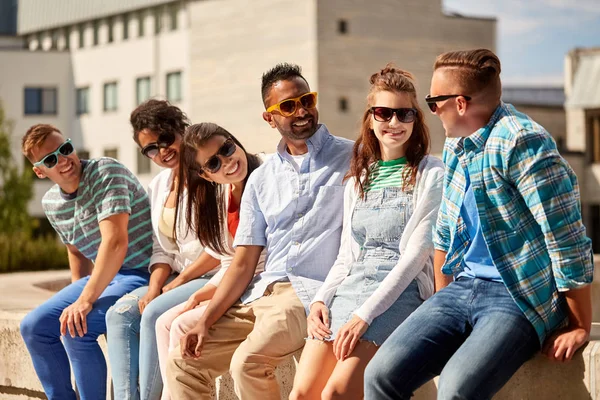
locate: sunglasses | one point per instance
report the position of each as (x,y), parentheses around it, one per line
(165,139)
(51,159)
(431,101)
(384,114)
(213,165)
(288,107)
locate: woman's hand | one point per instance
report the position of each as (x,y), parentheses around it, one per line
(317,322)
(178,281)
(192,303)
(347,337)
(192,342)
(146,299)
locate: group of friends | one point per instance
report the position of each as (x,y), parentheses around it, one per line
(386,265)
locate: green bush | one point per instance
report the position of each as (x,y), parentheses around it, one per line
(20,252)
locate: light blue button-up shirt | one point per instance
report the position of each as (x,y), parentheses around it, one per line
(297,215)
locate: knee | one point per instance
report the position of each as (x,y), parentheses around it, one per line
(452,386)
(124,312)
(151,314)
(299,394)
(331,393)
(238,364)
(31,326)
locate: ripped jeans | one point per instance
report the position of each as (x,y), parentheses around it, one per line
(41,332)
(131,336)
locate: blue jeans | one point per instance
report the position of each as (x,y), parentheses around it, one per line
(41,332)
(132,350)
(471,333)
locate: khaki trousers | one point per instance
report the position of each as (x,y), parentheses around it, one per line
(250,340)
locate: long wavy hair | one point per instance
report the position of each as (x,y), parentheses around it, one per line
(367,148)
(205,205)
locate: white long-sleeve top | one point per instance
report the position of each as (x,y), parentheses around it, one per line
(416,246)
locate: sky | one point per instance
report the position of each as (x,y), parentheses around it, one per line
(533,36)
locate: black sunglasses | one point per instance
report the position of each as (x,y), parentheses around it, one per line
(213,165)
(50,160)
(431,101)
(384,114)
(165,139)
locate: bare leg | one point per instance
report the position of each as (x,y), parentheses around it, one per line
(313,371)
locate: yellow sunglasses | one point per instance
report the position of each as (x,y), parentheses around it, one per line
(288,107)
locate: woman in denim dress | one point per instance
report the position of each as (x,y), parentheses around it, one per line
(384,268)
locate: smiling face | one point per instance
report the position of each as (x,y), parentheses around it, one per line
(66,173)
(393,135)
(166,157)
(233,169)
(302,124)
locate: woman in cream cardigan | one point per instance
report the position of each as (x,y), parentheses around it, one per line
(179,265)
(383,271)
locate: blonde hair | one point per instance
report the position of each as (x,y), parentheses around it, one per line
(35,137)
(476,71)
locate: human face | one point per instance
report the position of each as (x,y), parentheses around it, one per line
(167,157)
(66,172)
(233,169)
(450,111)
(393,135)
(303,123)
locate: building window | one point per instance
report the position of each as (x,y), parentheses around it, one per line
(83,154)
(40,101)
(141,27)
(112,153)
(40,39)
(174,87)
(173,11)
(110,25)
(110,96)
(342,26)
(343,104)
(67,38)
(142,89)
(81,36)
(143,164)
(594,137)
(96,33)
(125,26)
(54,39)
(82,96)
(157,21)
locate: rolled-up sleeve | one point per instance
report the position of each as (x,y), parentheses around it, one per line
(252,228)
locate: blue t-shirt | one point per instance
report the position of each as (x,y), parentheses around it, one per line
(478,261)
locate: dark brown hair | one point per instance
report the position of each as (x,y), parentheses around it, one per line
(35,137)
(367,148)
(205,205)
(158,116)
(476,71)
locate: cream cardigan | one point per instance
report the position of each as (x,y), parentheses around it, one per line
(416,246)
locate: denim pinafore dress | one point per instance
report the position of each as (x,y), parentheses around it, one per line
(377,224)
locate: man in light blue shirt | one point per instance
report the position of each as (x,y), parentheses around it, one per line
(292,206)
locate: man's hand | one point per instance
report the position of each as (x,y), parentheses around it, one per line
(347,337)
(317,322)
(563,344)
(191,344)
(146,299)
(74,318)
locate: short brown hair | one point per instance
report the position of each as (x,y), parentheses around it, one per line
(476,71)
(34,137)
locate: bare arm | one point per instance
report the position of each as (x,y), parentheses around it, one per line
(234,283)
(201,266)
(441,280)
(111,254)
(563,344)
(80,266)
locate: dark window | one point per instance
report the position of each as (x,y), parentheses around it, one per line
(343,104)
(157,21)
(40,101)
(125,26)
(594,136)
(143,88)
(82,97)
(141,28)
(110,96)
(112,153)
(96,33)
(342,26)
(67,38)
(174,92)
(173,15)
(81,36)
(110,24)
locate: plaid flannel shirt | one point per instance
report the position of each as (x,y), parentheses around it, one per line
(528,202)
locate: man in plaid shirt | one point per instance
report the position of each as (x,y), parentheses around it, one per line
(513,265)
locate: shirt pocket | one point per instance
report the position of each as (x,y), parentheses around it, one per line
(329,205)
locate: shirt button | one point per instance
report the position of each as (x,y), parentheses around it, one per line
(289,270)
(296,243)
(300,215)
